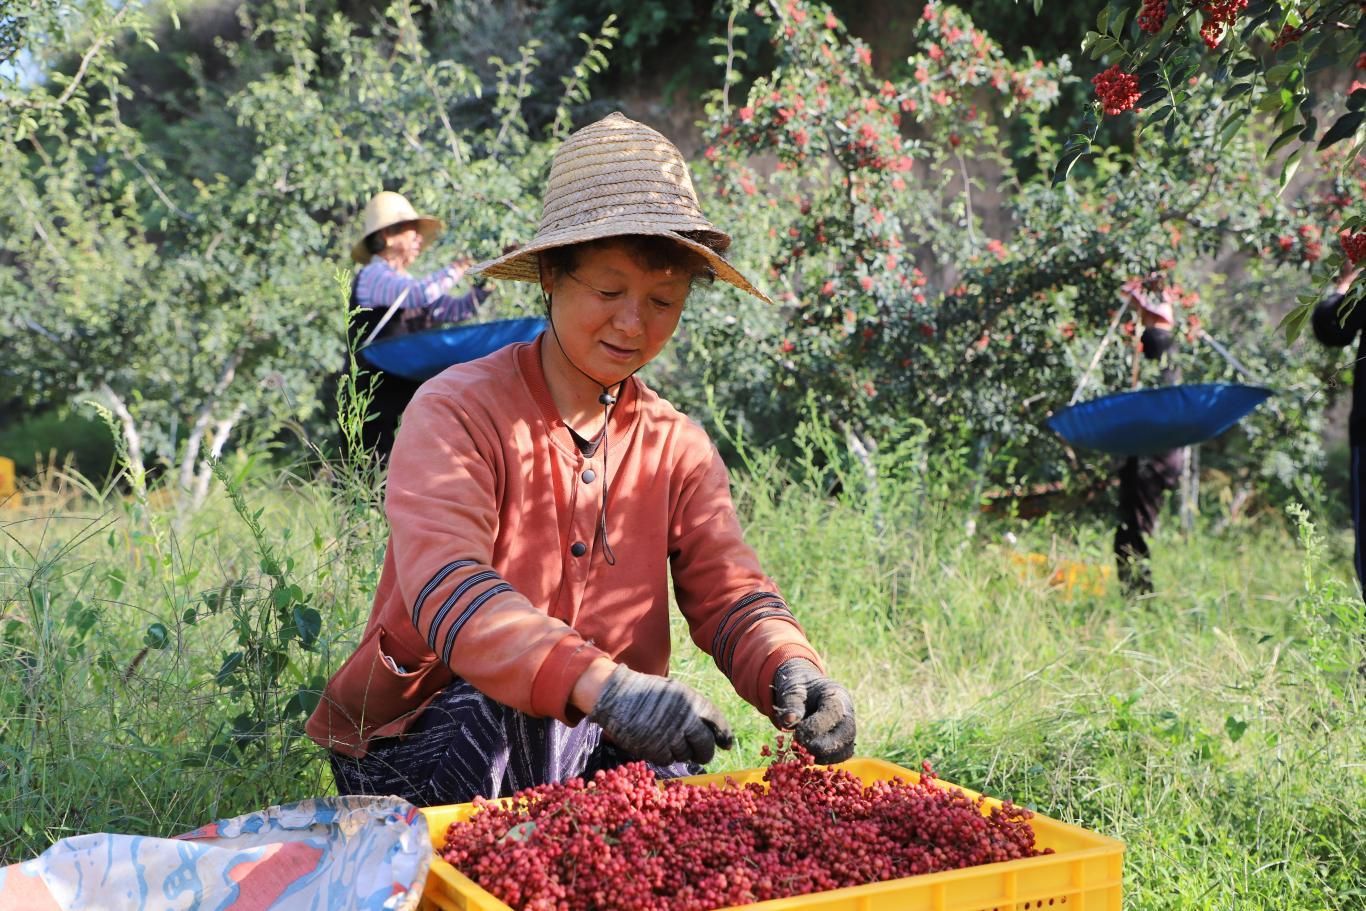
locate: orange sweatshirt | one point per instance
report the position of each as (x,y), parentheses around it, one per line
(495,570)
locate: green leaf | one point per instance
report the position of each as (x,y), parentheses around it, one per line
(1103,45)
(1277,74)
(1148,99)
(117,579)
(1357,100)
(1321,61)
(305,700)
(1244,68)
(1290,166)
(1271,101)
(520,832)
(1293,322)
(1231,129)
(308,623)
(1064,165)
(157,636)
(225,671)
(1283,140)
(1311,127)
(1234,727)
(1117,18)
(1345,126)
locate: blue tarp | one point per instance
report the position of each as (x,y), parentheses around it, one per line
(422,355)
(1149,421)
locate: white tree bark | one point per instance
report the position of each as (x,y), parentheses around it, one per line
(189,463)
(132,440)
(222,429)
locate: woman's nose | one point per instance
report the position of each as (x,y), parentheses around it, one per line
(629,317)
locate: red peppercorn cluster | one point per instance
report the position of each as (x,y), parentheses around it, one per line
(1288,35)
(1219,17)
(1354,245)
(623,842)
(1116,90)
(1303,246)
(1152,16)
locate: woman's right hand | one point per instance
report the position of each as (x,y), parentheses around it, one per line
(1342,282)
(658,719)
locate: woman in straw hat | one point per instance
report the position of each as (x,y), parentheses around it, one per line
(540,499)
(1144,482)
(387,301)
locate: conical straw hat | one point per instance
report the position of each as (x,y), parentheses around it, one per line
(618,177)
(384,209)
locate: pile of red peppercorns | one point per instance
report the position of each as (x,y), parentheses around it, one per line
(623,841)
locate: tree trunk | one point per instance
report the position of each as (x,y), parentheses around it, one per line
(1190,488)
(221,430)
(132,440)
(190,463)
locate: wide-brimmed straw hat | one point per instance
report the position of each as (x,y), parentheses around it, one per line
(617,177)
(385,209)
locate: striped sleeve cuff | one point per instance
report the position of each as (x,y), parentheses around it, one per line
(466,598)
(746,612)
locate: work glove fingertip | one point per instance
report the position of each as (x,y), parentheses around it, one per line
(721,732)
(789,707)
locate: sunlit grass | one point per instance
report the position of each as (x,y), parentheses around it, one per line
(1216,726)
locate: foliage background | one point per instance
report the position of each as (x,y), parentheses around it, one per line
(178,187)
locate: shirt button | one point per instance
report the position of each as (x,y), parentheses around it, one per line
(588,476)
(578,548)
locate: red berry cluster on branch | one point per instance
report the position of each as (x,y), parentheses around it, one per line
(1288,35)
(1116,90)
(1303,246)
(624,842)
(1219,17)
(1152,16)
(1353,244)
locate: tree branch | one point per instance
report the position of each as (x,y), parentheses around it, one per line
(203,416)
(90,55)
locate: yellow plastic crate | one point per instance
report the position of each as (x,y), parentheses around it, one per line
(1083,873)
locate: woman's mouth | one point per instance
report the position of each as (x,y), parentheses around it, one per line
(618,354)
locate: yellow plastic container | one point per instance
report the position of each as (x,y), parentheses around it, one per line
(9,495)
(1083,873)
(1070,576)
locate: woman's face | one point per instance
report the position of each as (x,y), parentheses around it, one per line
(403,243)
(612,315)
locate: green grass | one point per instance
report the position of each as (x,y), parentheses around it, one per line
(1217,727)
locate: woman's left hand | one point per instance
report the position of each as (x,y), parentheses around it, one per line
(818,710)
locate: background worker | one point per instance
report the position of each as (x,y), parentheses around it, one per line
(1145,480)
(386,301)
(1337,329)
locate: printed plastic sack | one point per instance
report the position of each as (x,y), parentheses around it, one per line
(330,853)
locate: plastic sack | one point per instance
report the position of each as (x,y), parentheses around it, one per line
(331,853)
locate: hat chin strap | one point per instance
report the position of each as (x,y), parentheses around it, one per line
(607,399)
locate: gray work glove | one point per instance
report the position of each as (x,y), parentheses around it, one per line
(819,709)
(659,720)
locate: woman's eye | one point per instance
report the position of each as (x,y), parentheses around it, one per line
(664,305)
(608,295)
